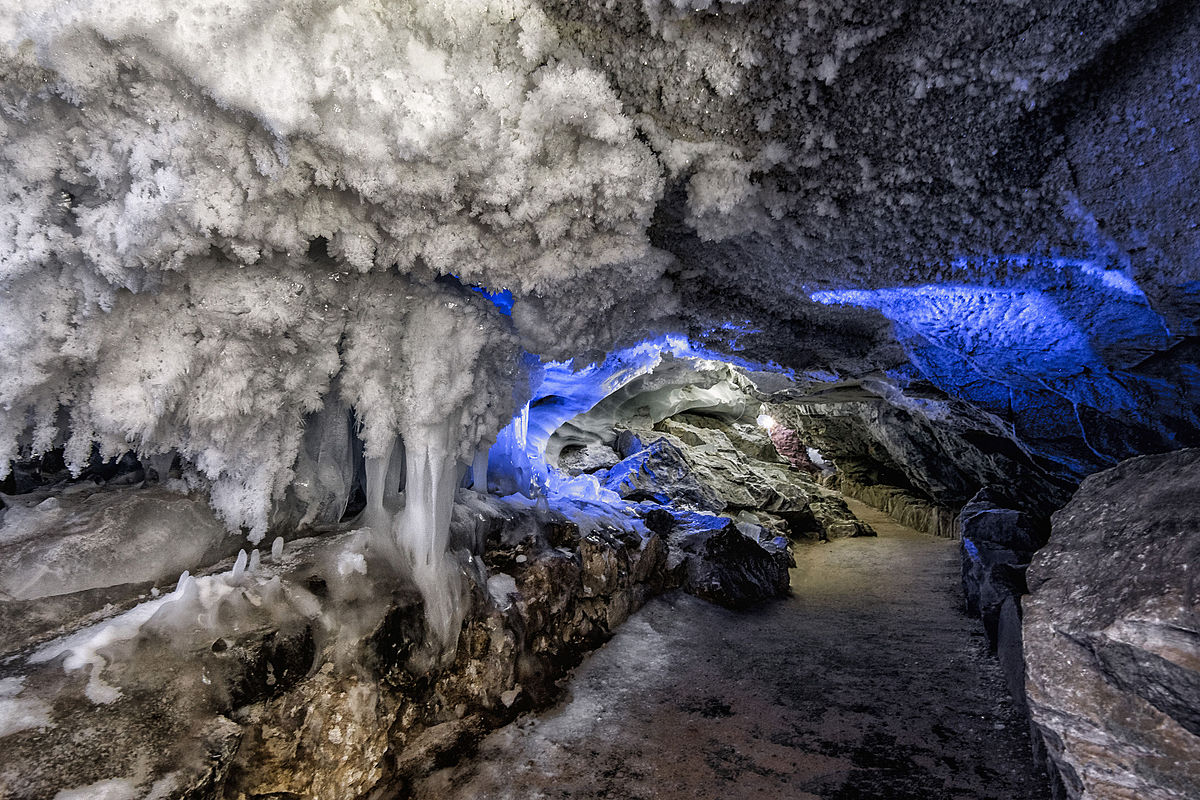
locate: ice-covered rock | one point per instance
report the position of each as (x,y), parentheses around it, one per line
(1111,637)
(75,542)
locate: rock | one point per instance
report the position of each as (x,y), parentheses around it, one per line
(901,505)
(1112,633)
(789,445)
(591,458)
(723,565)
(996,544)
(661,473)
(333,696)
(659,520)
(739,480)
(930,452)
(835,519)
(628,443)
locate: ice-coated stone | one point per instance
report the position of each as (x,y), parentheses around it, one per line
(74,542)
(1111,638)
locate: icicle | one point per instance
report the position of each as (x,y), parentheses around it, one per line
(161,463)
(479,469)
(382,497)
(424,530)
(239,566)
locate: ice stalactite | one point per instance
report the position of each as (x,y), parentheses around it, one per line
(479,467)
(511,466)
(385,478)
(430,372)
(423,528)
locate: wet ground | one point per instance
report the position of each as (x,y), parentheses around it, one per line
(869,682)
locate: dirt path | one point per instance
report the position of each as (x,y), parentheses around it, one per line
(868,682)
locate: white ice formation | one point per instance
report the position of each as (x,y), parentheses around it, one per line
(218,221)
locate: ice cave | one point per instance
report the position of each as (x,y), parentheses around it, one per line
(531,399)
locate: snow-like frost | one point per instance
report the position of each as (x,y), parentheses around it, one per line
(165,172)
(110,789)
(20,713)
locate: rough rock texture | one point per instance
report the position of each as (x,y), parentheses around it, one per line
(323,689)
(996,546)
(932,448)
(660,473)
(721,564)
(1112,633)
(736,469)
(591,458)
(902,506)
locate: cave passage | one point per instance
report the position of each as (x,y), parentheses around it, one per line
(868,681)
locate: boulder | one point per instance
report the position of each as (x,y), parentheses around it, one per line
(1112,633)
(721,564)
(996,544)
(660,473)
(590,458)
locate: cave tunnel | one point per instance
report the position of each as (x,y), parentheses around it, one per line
(641,398)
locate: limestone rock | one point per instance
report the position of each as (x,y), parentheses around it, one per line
(590,458)
(996,545)
(1112,633)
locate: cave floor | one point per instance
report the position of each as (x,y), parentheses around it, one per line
(868,682)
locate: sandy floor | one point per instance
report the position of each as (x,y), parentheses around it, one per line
(868,682)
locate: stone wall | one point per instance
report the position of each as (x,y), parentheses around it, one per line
(1112,633)
(907,509)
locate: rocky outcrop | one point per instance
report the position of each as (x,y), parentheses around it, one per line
(720,563)
(902,506)
(740,467)
(995,546)
(660,473)
(304,673)
(928,453)
(1112,633)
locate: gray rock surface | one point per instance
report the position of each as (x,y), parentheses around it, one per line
(1112,633)
(996,544)
(305,676)
(660,473)
(721,564)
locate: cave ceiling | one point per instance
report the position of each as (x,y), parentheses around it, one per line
(996,201)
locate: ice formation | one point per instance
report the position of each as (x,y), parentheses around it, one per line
(222,224)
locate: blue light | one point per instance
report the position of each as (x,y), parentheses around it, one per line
(972,550)
(502,300)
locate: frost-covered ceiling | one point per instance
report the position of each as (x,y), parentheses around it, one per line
(217,216)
